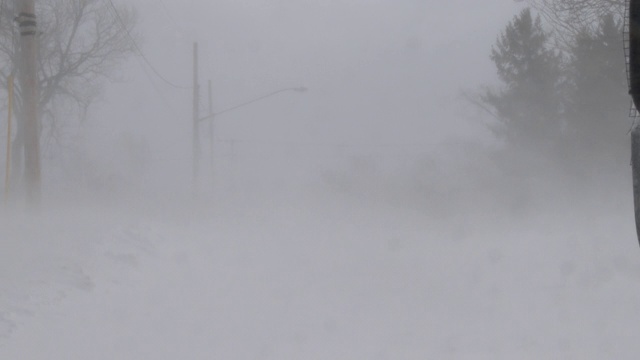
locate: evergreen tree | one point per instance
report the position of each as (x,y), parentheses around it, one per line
(597,110)
(528,105)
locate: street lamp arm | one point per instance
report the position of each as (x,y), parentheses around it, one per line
(297,89)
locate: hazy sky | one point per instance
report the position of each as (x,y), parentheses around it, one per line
(378,71)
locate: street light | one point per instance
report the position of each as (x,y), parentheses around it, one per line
(212,115)
(299,89)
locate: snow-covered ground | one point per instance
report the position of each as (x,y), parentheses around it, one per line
(319,277)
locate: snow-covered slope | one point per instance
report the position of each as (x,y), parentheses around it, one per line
(331,278)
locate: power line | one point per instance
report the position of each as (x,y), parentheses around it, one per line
(347,144)
(164,99)
(139,50)
(175,24)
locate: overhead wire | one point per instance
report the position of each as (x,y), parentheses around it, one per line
(168,15)
(165,101)
(415,146)
(139,50)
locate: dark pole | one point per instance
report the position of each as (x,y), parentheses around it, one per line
(634,51)
(196,118)
(211,135)
(635,171)
(634,91)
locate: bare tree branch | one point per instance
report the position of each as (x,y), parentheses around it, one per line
(81,44)
(569,17)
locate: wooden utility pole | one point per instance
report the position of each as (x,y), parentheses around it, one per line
(196,119)
(29,88)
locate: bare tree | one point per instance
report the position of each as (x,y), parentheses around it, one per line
(570,17)
(81,44)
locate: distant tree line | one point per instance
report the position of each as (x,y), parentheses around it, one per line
(562,90)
